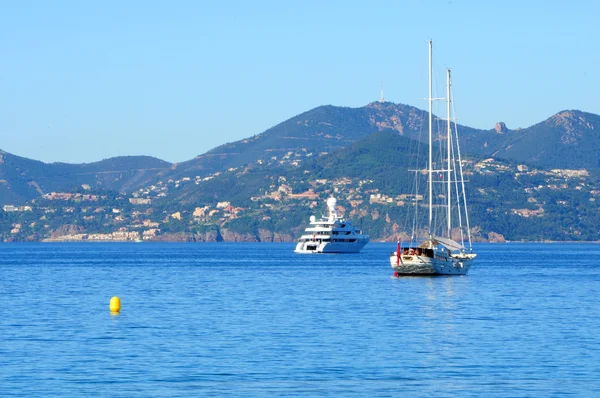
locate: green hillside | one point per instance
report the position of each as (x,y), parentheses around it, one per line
(519,205)
(324,129)
(540,182)
(23,179)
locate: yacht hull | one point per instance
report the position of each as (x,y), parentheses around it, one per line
(423,265)
(330,247)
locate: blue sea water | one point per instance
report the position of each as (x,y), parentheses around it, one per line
(253,320)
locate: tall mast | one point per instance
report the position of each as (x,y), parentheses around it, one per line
(449,137)
(430,165)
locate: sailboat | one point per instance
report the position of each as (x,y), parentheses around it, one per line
(438,253)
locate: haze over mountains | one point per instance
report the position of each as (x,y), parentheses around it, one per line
(568,139)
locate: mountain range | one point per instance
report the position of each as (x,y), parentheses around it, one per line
(568,139)
(541,178)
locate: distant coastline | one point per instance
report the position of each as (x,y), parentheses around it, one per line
(238,238)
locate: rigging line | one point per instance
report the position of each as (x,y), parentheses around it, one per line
(416,210)
(415,186)
(429,165)
(416,190)
(462,179)
(448,144)
(406,219)
(440,216)
(456,190)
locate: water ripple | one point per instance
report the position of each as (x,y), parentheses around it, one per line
(256,319)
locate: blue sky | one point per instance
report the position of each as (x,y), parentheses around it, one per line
(82,81)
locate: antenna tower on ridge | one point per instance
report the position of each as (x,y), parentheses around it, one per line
(381,99)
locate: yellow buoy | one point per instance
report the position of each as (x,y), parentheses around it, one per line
(115,304)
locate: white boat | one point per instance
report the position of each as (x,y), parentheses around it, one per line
(438,253)
(331,234)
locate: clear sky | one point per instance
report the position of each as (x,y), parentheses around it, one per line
(81,81)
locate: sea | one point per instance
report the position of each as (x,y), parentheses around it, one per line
(258,320)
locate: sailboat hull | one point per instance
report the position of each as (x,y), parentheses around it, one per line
(424,265)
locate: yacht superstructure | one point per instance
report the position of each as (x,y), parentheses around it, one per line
(331,234)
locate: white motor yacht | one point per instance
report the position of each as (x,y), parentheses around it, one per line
(331,234)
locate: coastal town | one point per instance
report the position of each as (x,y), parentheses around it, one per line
(147,214)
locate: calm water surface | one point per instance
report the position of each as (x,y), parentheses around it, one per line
(258,320)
